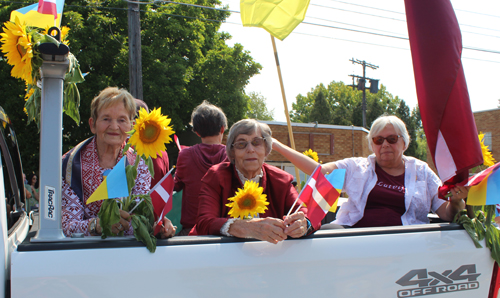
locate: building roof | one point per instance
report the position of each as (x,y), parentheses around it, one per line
(314,125)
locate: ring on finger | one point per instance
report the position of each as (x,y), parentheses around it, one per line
(120,227)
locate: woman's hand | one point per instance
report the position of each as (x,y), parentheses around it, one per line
(267,229)
(456,203)
(296,225)
(167,230)
(459,193)
(123,224)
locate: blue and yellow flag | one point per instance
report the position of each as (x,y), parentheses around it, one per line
(487,192)
(278,17)
(113,186)
(336,178)
(32,17)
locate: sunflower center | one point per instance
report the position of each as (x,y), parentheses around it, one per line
(21,50)
(247,202)
(150,133)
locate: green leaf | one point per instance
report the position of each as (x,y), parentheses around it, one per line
(149,163)
(472,233)
(493,242)
(71,102)
(125,149)
(109,214)
(479,228)
(143,232)
(131,172)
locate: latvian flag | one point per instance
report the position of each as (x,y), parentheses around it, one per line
(48,7)
(161,197)
(319,195)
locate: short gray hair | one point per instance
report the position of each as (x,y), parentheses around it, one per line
(247,127)
(381,122)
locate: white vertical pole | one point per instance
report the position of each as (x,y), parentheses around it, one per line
(52,73)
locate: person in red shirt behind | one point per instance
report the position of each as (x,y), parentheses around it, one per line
(209,123)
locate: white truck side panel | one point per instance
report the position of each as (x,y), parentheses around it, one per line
(360,266)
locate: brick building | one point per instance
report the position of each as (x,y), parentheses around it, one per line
(488,122)
(331,142)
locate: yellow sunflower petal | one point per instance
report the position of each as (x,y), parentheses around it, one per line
(151,133)
(487,156)
(16,44)
(248,201)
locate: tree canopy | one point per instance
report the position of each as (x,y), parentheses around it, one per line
(340,104)
(257,108)
(185,60)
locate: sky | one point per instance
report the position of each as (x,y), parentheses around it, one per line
(318,53)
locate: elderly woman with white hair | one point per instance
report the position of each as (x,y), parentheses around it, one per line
(249,142)
(387,188)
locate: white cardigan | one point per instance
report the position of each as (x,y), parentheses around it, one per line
(421,190)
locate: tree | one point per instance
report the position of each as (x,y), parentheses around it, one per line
(257,108)
(185,60)
(321,110)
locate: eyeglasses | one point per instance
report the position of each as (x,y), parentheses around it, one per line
(243,144)
(392,139)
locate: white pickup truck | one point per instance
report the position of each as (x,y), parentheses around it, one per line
(437,259)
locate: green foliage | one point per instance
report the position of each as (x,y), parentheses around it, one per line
(257,108)
(480,227)
(340,104)
(109,214)
(321,110)
(185,60)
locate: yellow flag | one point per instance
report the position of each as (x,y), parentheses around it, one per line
(278,17)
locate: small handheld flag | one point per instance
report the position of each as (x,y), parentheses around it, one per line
(114,184)
(321,193)
(161,197)
(485,188)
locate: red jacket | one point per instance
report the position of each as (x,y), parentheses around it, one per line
(192,164)
(221,182)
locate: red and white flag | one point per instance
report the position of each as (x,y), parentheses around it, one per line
(48,7)
(436,49)
(319,195)
(176,139)
(161,197)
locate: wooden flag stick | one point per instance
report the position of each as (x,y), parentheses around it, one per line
(289,124)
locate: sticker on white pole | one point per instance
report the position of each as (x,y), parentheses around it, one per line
(50,203)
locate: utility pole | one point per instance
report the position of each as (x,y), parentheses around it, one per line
(134,50)
(361,83)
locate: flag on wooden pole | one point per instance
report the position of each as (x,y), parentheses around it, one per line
(443,99)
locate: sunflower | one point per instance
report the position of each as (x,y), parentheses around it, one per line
(18,49)
(311,154)
(487,156)
(248,202)
(150,133)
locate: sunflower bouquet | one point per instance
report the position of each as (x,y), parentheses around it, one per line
(248,202)
(21,46)
(147,138)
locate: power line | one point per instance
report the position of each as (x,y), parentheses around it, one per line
(307,23)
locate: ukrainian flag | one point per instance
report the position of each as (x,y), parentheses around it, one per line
(32,17)
(336,178)
(487,192)
(114,184)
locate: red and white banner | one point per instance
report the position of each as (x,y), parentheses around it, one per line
(443,99)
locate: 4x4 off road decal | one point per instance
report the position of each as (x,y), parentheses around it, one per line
(425,282)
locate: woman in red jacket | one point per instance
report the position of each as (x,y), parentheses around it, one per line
(248,144)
